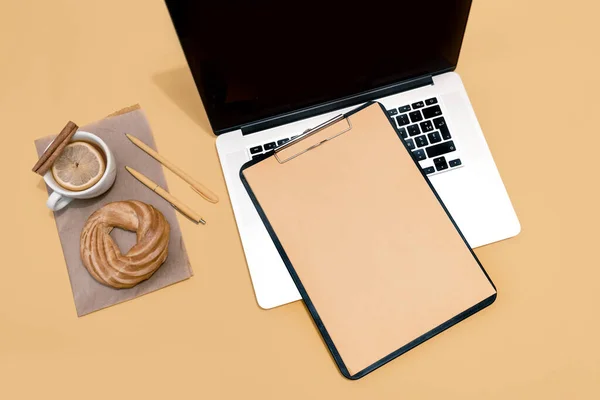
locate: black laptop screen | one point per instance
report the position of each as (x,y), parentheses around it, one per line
(258,59)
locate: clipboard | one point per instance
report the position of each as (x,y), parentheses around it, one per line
(379,262)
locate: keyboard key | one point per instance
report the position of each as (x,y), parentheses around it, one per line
(392,112)
(445,132)
(256,149)
(402,120)
(294,137)
(416,116)
(455,163)
(429,170)
(421,141)
(256,156)
(431,101)
(434,137)
(403,133)
(439,122)
(282,141)
(431,112)
(418,105)
(414,130)
(439,149)
(426,126)
(270,146)
(419,155)
(404,109)
(410,143)
(440,163)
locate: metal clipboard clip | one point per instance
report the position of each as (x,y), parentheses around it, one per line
(311,132)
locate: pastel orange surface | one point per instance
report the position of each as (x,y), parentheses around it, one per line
(531,70)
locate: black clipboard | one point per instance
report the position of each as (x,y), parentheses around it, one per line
(371,282)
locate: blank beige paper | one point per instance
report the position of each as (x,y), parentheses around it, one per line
(375,251)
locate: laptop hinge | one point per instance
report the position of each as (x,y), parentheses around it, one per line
(349,101)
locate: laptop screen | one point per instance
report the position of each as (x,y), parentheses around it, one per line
(253,60)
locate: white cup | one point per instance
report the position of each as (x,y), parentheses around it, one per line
(60,196)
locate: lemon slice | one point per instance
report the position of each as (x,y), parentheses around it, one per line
(79,167)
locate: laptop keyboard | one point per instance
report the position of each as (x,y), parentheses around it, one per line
(256,151)
(424,130)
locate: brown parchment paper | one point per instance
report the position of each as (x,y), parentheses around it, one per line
(88,294)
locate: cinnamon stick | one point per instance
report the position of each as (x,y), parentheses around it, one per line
(55,149)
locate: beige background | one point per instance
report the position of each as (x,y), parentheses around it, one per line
(532,71)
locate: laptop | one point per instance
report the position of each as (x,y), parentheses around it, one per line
(269,70)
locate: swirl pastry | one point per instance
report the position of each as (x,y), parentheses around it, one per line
(101,255)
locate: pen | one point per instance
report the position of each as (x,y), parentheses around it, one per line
(182,208)
(197,186)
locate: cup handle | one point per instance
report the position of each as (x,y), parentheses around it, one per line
(57,201)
